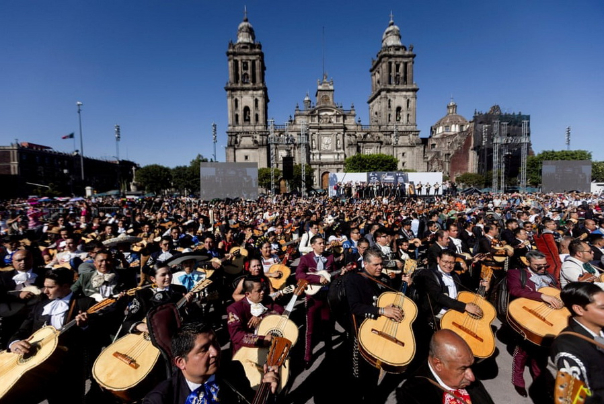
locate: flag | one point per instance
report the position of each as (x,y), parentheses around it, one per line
(70,136)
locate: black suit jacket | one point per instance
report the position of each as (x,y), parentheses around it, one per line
(429,282)
(587,358)
(418,390)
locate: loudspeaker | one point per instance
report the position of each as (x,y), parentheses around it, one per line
(288,168)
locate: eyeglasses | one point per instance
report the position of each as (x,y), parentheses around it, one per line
(587,251)
(447,262)
(541,266)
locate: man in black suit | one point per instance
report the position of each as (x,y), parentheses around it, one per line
(65,384)
(197,356)
(21,289)
(576,355)
(446,377)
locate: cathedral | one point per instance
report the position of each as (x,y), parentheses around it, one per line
(322,133)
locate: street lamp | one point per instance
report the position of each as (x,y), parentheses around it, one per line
(79,104)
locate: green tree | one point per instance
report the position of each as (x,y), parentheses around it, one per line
(470,180)
(264,177)
(363,163)
(185,179)
(535,163)
(597,171)
(155,178)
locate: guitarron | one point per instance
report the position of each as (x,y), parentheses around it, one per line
(476,331)
(387,344)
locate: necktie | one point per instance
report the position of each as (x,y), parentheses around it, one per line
(319,260)
(205,394)
(457,397)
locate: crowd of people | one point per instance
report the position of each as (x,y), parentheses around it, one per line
(98,270)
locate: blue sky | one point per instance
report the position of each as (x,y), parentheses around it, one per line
(158,68)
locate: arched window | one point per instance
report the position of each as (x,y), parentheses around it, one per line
(398,114)
(245,78)
(408,104)
(236,103)
(246,114)
(256,117)
(237,119)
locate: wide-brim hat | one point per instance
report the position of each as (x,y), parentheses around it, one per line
(180,258)
(112,242)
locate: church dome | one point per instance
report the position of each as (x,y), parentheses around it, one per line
(245,32)
(392,35)
(451,123)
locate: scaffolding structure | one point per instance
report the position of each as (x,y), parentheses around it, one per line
(501,148)
(288,139)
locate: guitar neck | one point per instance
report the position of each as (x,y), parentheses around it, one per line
(262,394)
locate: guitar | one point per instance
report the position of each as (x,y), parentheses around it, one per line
(110,300)
(277,356)
(537,320)
(279,326)
(285,291)
(476,331)
(408,269)
(124,364)
(281,269)
(43,343)
(314,289)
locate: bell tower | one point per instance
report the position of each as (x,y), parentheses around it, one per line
(393,99)
(247,97)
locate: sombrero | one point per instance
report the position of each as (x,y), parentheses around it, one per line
(112,242)
(180,258)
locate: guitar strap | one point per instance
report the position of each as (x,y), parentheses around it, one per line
(71,309)
(583,337)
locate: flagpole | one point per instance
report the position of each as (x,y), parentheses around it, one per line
(74,144)
(79,104)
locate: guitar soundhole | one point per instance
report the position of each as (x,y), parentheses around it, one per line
(33,350)
(276,333)
(474,316)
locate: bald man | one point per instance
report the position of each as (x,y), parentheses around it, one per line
(446,377)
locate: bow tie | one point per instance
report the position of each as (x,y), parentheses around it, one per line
(100,279)
(320,257)
(55,307)
(205,394)
(257,309)
(23,277)
(189,280)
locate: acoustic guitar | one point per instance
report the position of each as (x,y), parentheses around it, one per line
(281,269)
(277,356)
(43,343)
(535,320)
(279,326)
(123,365)
(476,331)
(386,344)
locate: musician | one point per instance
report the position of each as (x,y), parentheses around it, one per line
(440,284)
(256,271)
(11,244)
(446,377)
(105,281)
(185,264)
(576,266)
(317,310)
(521,245)
(350,244)
(507,234)
(65,384)
(356,259)
(550,227)
(597,246)
(163,254)
(305,246)
(244,316)
(197,352)
(382,244)
(574,355)
(525,282)
(441,243)
(24,275)
(455,242)
(266,257)
(406,231)
(147,298)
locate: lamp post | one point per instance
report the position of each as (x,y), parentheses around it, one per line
(79,104)
(118,137)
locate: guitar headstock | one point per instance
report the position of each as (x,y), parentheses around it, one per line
(486,272)
(201,285)
(279,351)
(410,266)
(302,284)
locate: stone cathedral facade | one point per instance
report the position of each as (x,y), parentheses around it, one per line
(332,132)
